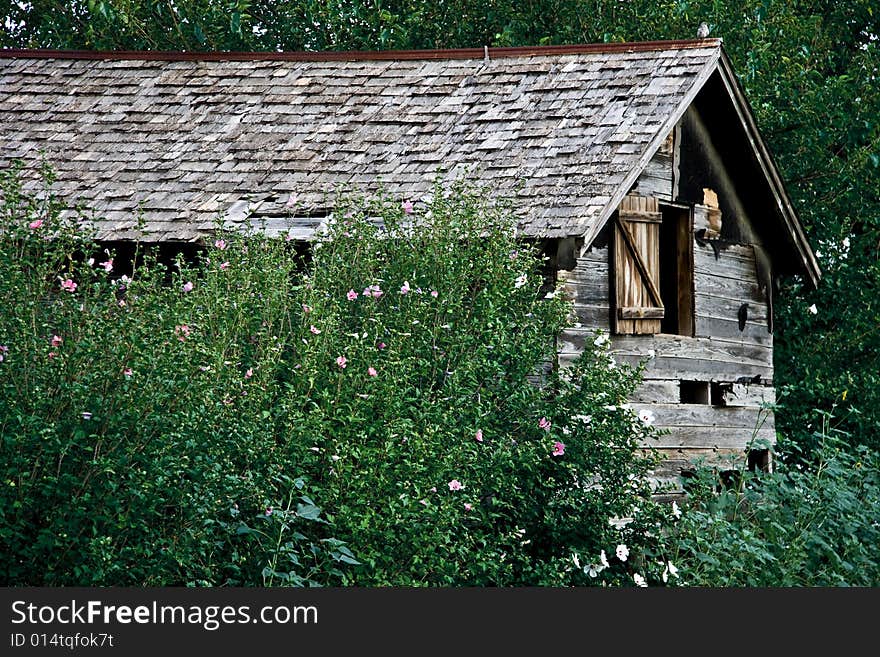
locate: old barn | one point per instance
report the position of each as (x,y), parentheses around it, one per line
(638,167)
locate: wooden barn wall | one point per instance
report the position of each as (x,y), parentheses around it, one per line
(739,361)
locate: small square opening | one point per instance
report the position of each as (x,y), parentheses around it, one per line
(693,392)
(717,393)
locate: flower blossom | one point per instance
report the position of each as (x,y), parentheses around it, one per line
(86,415)
(372,371)
(306,309)
(187,287)
(435,293)
(601,339)
(407,206)
(479,436)
(675,510)
(404,289)
(127,372)
(468,506)
(314,329)
(224,265)
(544,423)
(639,580)
(646,416)
(342,361)
(56,341)
(622,552)
(36,224)
(668,570)
(520,281)
(68,285)
(351,295)
(220,244)
(373,291)
(108,265)
(249,373)
(182,331)
(558,448)
(455,484)
(3,350)
(813,309)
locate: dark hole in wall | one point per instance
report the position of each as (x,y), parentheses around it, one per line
(693,392)
(760,460)
(717,391)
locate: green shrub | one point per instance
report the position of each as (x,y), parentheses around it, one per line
(797,526)
(387,417)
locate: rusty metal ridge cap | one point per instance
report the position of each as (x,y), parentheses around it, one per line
(360,55)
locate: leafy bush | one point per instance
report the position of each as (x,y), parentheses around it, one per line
(135,447)
(797,526)
(182,424)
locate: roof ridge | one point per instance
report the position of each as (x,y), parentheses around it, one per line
(366,55)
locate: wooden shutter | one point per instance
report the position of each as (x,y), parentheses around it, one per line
(639,308)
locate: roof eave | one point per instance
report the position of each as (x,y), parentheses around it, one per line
(784,207)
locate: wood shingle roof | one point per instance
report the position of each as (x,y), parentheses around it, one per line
(563,132)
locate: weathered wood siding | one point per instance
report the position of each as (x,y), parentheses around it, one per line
(738,362)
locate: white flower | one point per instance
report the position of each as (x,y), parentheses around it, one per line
(622,552)
(593,569)
(845,242)
(669,570)
(639,580)
(520,281)
(603,559)
(675,510)
(601,339)
(577,562)
(813,309)
(646,416)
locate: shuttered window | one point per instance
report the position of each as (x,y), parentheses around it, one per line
(638,306)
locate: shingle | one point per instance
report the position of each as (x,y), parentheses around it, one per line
(191,139)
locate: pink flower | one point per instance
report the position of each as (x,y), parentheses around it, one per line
(351,295)
(34,225)
(479,436)
(68,285)
(372,371)
(52,354)
(455,484)
(56,341)
(268,510)
(314,330)
(544,423)
(373,291)
(404,289)
(306,309)
(292,200)
(187,287)
(407,206)
(220,244)
(434,293)
(558,448)
(342,361)
(122,303)
(108,266)
(249,373)
(224,265)
(3,350)
(182,331)
(468,506)
(127,371)
(381,345)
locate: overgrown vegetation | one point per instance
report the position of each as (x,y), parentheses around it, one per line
(381,418)
(810,72)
